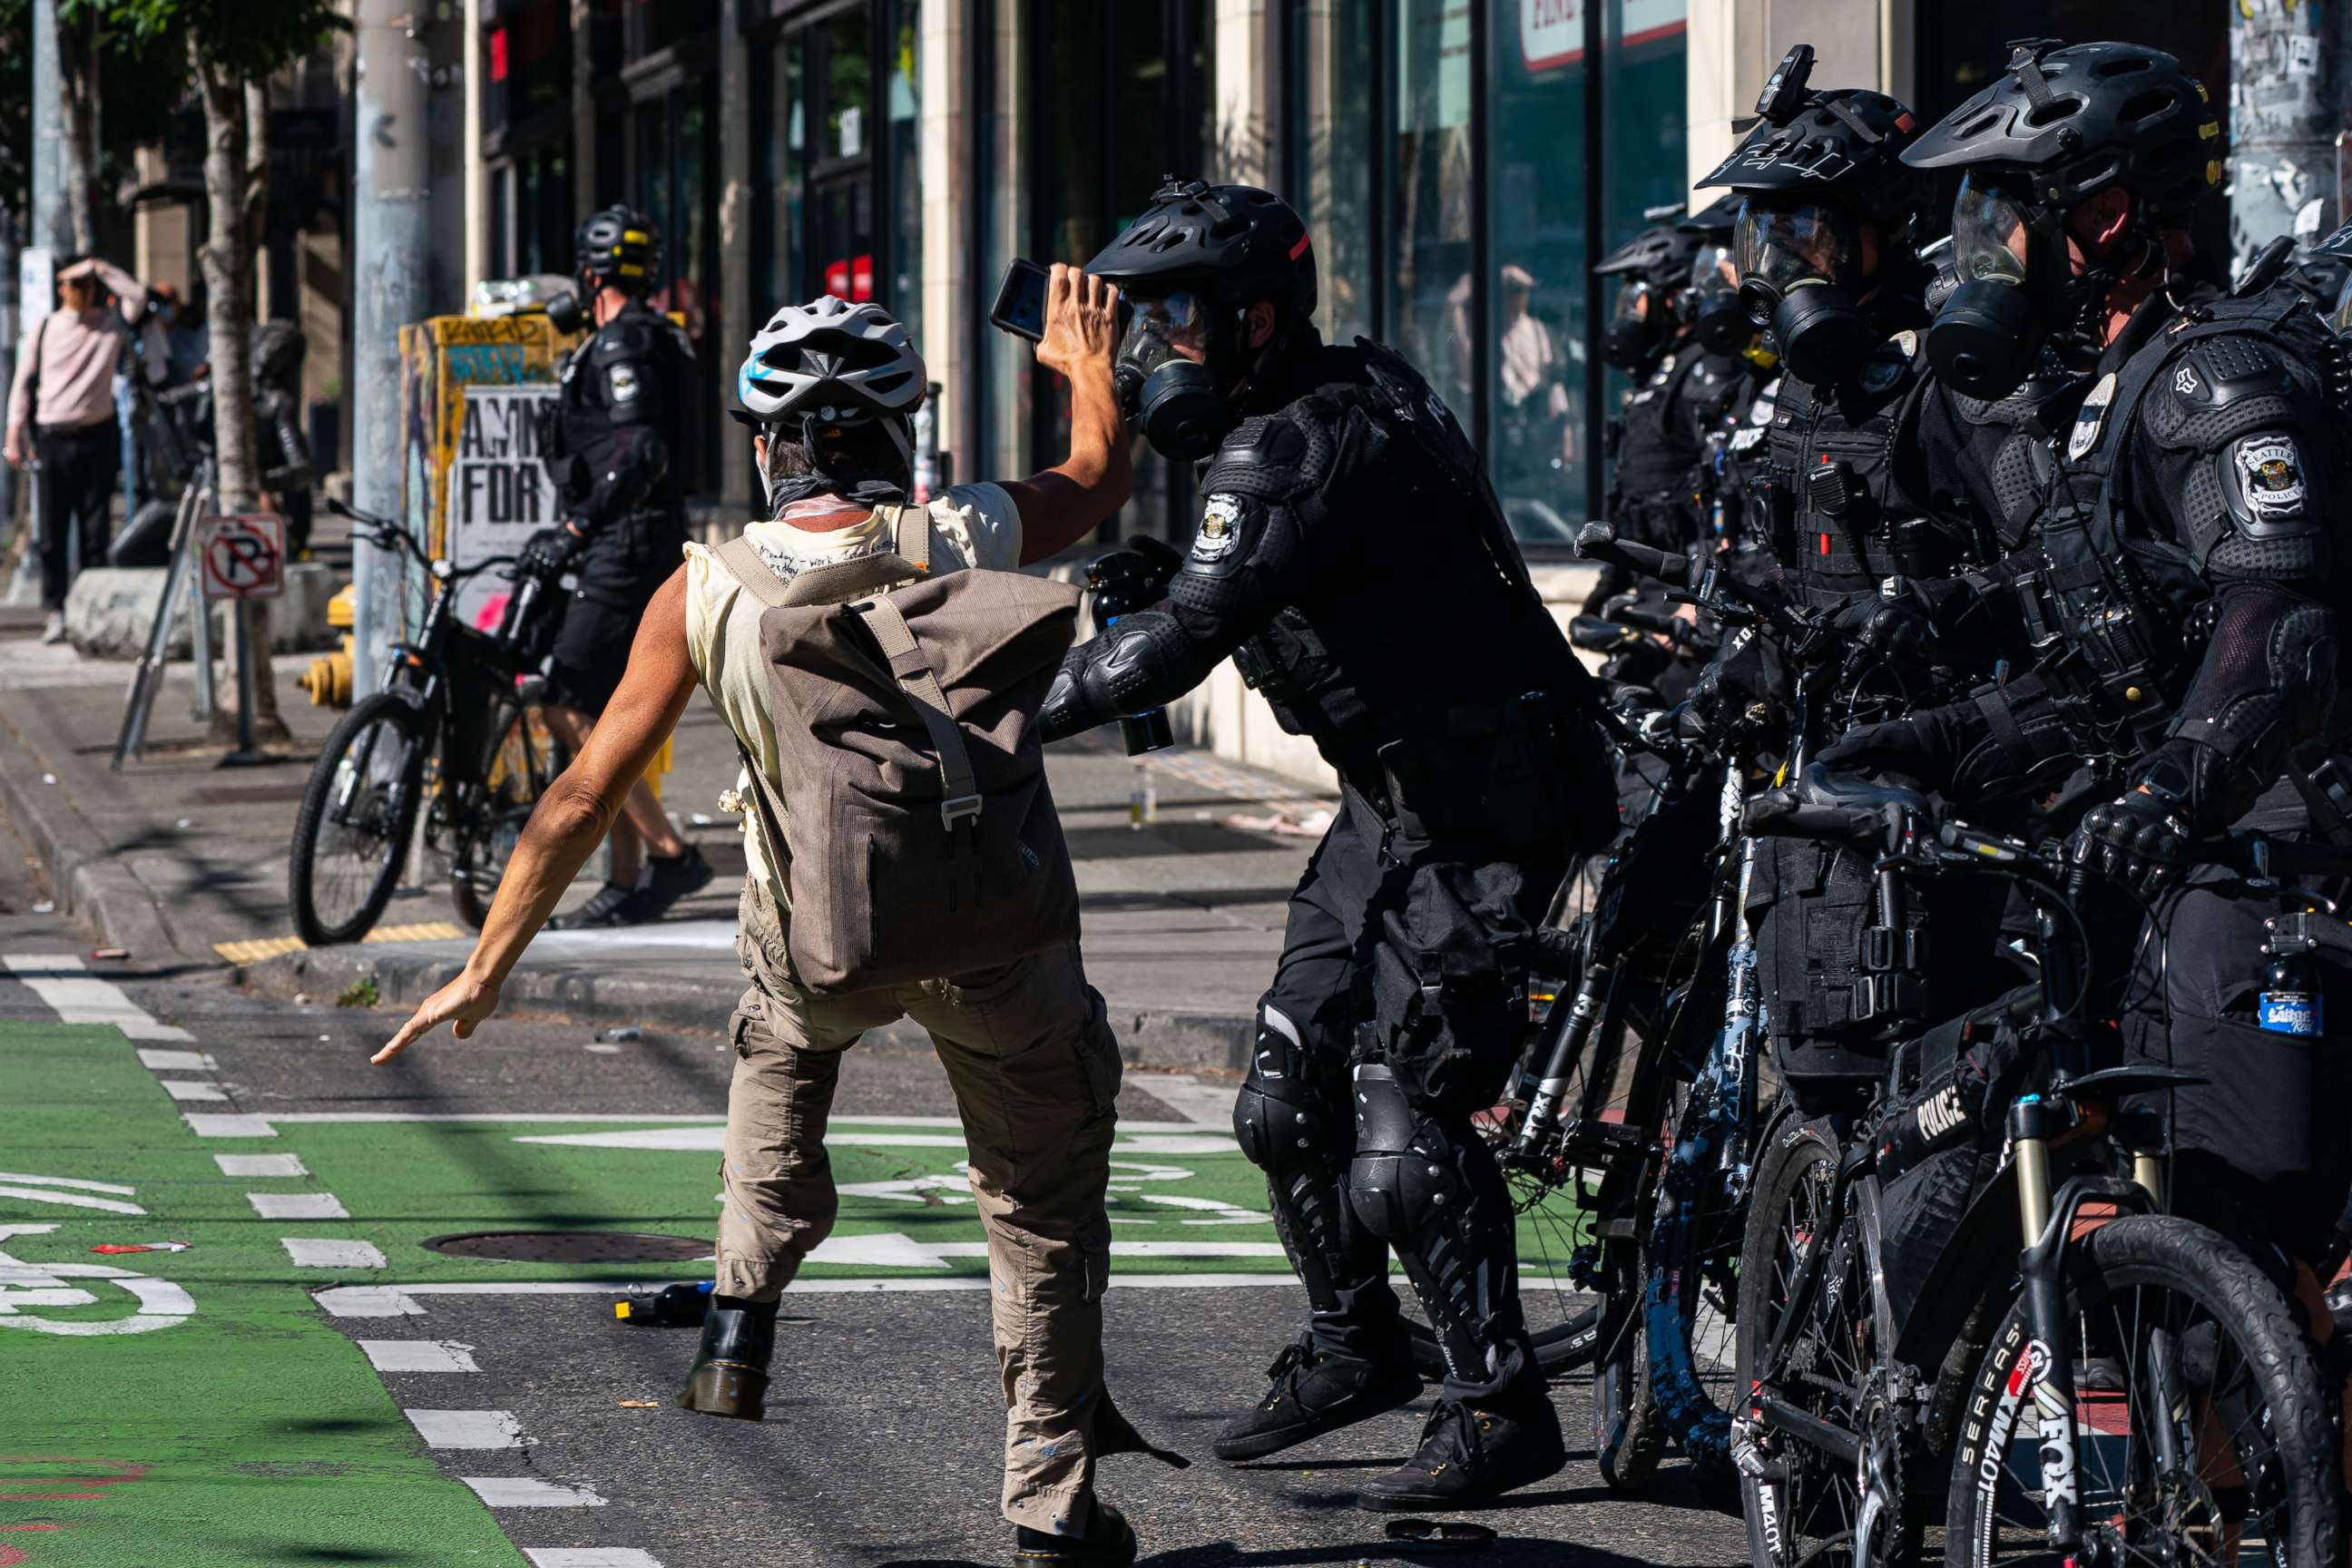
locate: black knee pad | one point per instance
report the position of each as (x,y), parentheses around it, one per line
(1276,1118)
(1398,1189)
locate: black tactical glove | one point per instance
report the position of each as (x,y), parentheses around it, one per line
(1894,627)
(1924,748)
(2136,841)
(550,554)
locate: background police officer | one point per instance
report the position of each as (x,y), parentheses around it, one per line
(619,435)
(1353,561)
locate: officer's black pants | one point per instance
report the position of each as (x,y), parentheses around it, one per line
(2258,1146)
(1316,989)
(77,480)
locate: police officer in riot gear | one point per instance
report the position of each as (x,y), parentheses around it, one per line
(1353,561)
(2179,605)
(1687,388)
(617,438)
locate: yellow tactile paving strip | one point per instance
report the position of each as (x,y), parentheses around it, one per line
(254,951)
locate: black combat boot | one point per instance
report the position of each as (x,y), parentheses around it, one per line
(1468,1458)
(1317,1392)
(1109,1543)
(730,1371)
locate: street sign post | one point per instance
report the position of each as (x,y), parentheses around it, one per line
(242,558)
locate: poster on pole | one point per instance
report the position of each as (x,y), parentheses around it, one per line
(37,286)
(499,490)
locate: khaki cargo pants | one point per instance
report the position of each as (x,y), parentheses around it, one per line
(1035,1069)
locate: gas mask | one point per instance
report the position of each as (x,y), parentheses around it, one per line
(1798,269)
(1990,330)
(1167,386)
(2017,285)
(1637,326)
(564,312)
(1718,321)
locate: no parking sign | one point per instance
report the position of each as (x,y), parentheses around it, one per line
(243,557)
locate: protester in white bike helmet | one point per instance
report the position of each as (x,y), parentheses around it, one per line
(829,389)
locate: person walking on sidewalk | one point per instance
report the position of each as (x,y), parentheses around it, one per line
(61,414)
(829,389)
(618,434)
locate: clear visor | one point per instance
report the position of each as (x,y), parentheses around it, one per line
(1715,267)
(1633,302)
(1989,234)
(1175,326)
(2341,316)
(1785,246)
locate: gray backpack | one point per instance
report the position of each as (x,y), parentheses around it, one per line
(920,838)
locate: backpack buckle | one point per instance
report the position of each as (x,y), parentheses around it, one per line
(954,811)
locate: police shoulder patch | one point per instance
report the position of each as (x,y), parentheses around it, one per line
(2091,417)
(1221,519)
(624,381)
(2270,475)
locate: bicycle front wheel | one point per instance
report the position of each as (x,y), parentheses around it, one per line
(2201,1429)
(357,814)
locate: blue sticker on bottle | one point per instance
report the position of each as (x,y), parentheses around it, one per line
(2292,1011)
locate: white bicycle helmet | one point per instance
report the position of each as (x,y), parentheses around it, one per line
(833,363)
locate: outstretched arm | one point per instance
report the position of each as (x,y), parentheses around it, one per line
(571,817)
(1067,502)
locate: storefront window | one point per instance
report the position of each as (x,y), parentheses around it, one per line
(1430,298)
(902,99)
(677,153)
(1333,72)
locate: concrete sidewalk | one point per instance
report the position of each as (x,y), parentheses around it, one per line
(183,864)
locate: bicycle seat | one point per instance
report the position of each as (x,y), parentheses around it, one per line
(1598,635)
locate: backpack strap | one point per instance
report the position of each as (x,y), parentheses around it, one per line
(912,529)
(959,793)
(742,558)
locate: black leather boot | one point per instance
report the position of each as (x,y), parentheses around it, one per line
(1468,1458)
(1317,1392)
(1109,1543)
(730,1371)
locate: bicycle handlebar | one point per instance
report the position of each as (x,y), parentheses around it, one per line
(1599,541)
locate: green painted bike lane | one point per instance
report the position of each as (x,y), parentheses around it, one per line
(246,1431)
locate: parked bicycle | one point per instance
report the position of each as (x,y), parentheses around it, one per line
(454,732)
(1969,1294)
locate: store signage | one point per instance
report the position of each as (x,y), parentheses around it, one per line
(1551,32)
(861,277)
(836,280)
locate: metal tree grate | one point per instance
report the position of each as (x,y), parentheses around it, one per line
(571,1246)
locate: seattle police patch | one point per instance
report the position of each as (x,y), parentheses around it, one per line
(2270,473)
(1221,518)
(2093,415)
(624,383)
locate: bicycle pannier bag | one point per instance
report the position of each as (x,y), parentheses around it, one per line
(919,836)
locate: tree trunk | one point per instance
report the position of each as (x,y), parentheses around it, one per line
(77,86)
(230,174)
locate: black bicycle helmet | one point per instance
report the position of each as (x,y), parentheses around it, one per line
(1233,244)
(1715,221)
(1659,255)
(1846,142)
(2079,119)
(618,246)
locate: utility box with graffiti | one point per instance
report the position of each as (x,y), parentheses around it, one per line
(477,392)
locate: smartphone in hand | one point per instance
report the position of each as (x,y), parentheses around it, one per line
(1020,307)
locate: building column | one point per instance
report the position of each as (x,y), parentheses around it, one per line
(475,183)
(583,111)
(950,225)
(735,138)
(1242,71)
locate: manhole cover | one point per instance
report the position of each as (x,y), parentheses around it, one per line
(571,1246)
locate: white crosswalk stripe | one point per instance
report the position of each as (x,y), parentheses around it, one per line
(323,1252)
(76,996)
(513,1491)
(466,1428)
(419,1355)
(298,1205)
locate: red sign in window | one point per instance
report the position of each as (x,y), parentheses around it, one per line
(498,54)
(836,279)
(861,277)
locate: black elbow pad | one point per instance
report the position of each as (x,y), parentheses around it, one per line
(1136,666)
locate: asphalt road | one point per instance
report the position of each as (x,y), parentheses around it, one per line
(883,1439)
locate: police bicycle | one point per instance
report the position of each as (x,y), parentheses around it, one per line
(454,732)
(1971,1285)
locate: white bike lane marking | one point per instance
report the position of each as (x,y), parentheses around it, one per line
(23,1284)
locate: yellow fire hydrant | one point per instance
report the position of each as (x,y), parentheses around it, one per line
(329,679)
